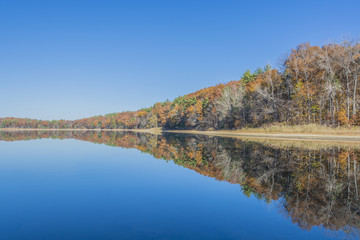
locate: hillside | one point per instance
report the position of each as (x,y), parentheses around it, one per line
(315,85)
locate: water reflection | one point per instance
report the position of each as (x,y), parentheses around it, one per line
(316,184)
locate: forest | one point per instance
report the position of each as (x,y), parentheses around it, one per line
(313,85)
(316,186)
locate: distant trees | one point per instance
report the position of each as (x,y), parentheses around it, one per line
(316,84)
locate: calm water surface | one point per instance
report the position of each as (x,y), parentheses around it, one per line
(60,185)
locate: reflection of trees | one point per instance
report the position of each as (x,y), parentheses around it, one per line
(316,187)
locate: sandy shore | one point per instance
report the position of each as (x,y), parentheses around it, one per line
(279,136)
(152,130)
(224,133)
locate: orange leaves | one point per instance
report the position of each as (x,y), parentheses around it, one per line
(342,117)
(253,85)
(267,79)
(142,114)
(199,110)
(190,110)
(315,85)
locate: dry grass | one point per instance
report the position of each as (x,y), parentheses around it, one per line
(148,130)
(279,128)
(304,129)
(301,136)
(308,145)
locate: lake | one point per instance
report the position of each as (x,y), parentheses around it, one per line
(127,185)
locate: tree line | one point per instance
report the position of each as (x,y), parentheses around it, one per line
(314,84)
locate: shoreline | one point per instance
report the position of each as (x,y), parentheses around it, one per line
(336,136)
(274,136)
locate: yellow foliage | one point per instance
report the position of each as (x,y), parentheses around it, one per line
(342,118)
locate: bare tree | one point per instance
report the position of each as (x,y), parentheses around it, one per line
(268,91)
(347,56)
(306,58)
(231,101)
(326,62)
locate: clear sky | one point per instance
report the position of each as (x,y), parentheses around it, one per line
(69,59)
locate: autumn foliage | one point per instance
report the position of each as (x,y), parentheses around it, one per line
(315,84)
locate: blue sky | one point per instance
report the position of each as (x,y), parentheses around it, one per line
(68,59)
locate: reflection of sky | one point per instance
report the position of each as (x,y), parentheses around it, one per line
(58,189)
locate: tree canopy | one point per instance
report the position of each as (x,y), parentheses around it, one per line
(316,84)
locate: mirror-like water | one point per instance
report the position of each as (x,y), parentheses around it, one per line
(184,187)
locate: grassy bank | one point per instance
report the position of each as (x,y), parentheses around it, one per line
(304,129)
(310,131)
